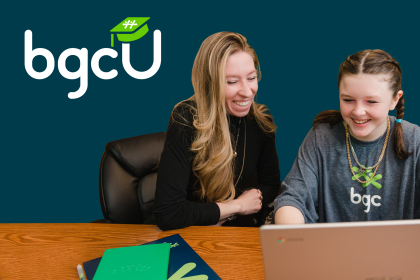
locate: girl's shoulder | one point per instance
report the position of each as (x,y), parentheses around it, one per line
(411,134)
(325,137)
(410,128)
(326,130)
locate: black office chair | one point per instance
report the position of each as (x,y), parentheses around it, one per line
(127,182)
(127,178)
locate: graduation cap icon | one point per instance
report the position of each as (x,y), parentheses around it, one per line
(130,29)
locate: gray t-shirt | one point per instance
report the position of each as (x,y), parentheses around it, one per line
(321,185)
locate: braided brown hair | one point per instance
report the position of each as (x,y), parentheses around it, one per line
(372,62)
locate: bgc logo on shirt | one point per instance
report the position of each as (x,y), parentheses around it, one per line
(370,178)
(129,30)
(367,200)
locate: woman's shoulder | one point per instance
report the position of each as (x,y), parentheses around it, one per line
(185,107)
(184,112)
(181,123)
(262,119)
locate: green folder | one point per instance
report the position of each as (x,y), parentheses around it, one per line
(136,262)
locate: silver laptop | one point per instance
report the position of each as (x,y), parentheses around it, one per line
(384,250)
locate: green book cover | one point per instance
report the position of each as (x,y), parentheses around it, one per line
(136,262)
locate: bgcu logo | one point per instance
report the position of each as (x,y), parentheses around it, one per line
(130,29)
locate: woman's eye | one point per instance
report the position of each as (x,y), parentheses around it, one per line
(232,82)
(372,102)
(253,78)
(347,100)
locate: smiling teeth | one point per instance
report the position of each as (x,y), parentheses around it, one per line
(242,104)
(360,122)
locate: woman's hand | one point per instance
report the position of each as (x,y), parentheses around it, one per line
(250,202)
(220,223)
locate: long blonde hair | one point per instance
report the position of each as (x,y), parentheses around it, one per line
(214,162)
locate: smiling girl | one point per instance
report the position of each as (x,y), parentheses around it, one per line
(357,164)
(216,141)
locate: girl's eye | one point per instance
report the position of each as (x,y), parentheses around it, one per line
(372,102)
(347,100)
(232,82)
(253,78)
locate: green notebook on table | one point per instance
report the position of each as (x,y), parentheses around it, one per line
(136,262)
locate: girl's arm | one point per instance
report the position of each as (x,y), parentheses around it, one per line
(298,202)
(289,215)
(416,213)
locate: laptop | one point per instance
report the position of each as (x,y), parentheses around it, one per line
(381,250)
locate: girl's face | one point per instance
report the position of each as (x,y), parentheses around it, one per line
(365,101)
(241,83)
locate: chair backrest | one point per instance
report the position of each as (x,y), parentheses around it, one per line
(127,178)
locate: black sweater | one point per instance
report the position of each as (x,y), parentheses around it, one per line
(176,205)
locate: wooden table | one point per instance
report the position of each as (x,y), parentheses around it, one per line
(52,251)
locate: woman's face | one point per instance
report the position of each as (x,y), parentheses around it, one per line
(365,101)
(241,83)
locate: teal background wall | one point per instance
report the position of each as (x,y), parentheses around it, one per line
(52,146)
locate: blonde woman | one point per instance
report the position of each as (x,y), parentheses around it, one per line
(216,140)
